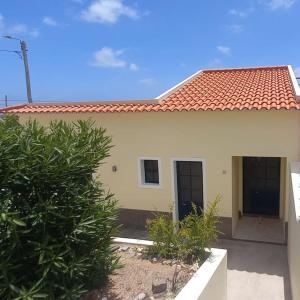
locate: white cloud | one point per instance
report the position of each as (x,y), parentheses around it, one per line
(109,58)
(297,71)
(134,67)
(241,13)
(236,28)
(108,11)
(147,81)
(17,29)
(277,4)
(224,50)
(216,62)
(49,21)
(34,32)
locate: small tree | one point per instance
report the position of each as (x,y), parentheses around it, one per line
(56,220)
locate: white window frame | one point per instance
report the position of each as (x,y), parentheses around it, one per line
(141,173)
(175,212)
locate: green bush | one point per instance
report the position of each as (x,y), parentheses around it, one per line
(186,239)
(161,230)
(56,220)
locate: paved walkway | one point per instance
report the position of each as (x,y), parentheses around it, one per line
(256,271)
(260,229)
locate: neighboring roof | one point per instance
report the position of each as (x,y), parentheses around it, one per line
(228,89)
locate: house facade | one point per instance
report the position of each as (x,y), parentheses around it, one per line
(230,132)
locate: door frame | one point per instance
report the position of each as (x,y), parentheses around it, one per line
(175,213)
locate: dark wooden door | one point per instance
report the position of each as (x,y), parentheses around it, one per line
(189,186)
(261,185)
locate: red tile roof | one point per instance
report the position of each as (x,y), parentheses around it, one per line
(229,89)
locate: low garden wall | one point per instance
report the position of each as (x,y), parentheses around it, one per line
(210,281)
(294,231)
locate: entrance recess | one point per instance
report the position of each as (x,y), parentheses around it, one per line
(189,186)
(261,186)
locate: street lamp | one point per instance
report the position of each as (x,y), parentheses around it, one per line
(25,60)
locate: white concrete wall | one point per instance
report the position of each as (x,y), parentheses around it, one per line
(294,232)
(210,281)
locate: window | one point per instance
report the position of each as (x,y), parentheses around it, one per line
(149,172)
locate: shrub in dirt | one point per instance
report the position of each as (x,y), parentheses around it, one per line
(56,220)
(186,239)
(161,230)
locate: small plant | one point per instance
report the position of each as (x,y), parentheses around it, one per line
(161,230)
(186,239)
(56,220)
(197,231)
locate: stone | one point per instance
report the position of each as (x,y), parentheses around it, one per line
(140,249)
(174,262)
(124,248)
(131,252)
(166,262)
(169,296)
(154,259)
(194,267)
(141,296)
(104,298)
(159,286)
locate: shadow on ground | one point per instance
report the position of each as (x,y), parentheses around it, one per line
(256,270)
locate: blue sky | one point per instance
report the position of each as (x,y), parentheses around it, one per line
(112,49)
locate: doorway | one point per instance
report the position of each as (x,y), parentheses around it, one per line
(261,186)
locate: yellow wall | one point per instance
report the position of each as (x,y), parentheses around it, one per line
(214,136)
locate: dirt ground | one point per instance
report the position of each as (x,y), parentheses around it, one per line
(134,280)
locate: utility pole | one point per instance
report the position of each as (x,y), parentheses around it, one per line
(25,60)
(23,56)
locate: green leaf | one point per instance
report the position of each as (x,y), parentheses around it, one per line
(3,216)
(19,222)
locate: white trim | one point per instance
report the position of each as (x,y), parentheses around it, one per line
(295,175)
(174,182)
(172,89)
(294,82)
(141,173)
(132,241)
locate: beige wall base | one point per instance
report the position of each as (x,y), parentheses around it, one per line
(136,219)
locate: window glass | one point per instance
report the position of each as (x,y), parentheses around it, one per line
(151,171)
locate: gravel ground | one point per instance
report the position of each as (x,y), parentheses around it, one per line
(134,281)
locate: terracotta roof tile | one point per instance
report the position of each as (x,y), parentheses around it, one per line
(230,89)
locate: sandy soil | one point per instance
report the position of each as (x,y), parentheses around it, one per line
(138,273)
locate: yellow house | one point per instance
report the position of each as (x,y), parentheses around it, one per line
(231,132)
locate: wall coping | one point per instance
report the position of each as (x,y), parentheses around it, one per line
(295,174)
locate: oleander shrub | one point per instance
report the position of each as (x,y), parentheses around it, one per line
(186,239)
(56,219)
